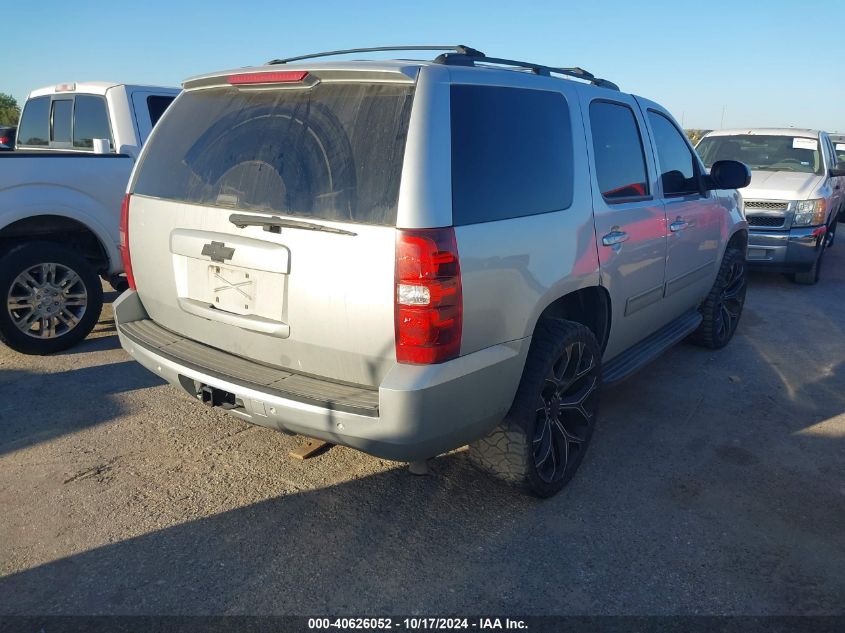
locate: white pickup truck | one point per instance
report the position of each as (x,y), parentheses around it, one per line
(60,203)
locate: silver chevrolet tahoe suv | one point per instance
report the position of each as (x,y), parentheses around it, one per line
(406,257)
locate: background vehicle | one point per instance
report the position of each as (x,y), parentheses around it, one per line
(280,270)
(797,191)
(60,197)
(838,141)
(7,137)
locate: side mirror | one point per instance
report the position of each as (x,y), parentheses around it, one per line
(839,170)
(729,174)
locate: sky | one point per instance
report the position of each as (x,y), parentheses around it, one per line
(713,63)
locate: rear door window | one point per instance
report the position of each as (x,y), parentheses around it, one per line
(511,153)
(678,171)
(156,105)
(35,123)
(90,121)
(618,148)
(333,151)
(60,120)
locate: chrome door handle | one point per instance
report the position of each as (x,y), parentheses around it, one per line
(614,237)
(678,225)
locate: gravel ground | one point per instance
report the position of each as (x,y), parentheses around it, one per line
(715,485)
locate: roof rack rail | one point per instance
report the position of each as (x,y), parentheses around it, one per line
(463,55)
(469,59)
(458,49)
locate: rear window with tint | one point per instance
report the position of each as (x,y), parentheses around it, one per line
(35,122)
(62,111)
(511,153)
(156,105)
(332,152)
(90,121)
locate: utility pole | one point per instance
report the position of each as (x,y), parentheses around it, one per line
(722,126)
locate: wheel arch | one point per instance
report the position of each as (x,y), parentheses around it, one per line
(738,240)
(59,229)
(589,306)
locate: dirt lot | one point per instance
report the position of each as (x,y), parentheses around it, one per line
(715,484)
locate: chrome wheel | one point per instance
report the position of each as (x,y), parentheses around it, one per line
(731,300)
(565,412)
(47,300)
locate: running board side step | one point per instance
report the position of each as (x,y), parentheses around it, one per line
(650,348)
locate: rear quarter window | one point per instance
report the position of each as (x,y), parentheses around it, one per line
(511,153)
(333,151)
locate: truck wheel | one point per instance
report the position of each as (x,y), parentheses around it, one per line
(723,306)
(810,277)
(542,440)
(52,298)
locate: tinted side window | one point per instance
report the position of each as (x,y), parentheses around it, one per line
(35,122)
(511,153)
(677,166)
(839,148)
(157,105)
(90,121)
(618,148)
(60,128)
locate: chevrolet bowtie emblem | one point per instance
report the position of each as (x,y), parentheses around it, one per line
(218,251)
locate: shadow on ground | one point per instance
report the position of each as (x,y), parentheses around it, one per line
(38,407)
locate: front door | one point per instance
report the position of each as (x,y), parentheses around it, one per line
(695,218)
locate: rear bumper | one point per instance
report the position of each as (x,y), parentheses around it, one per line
(794,250)
(419,412)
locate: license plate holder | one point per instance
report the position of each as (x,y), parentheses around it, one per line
(232,289)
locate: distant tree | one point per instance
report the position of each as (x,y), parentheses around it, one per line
(695,135)
(9,110)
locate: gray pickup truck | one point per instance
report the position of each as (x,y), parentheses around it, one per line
(60,196)
(796,195)
(408,256)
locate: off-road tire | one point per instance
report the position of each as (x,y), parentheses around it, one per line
(722,308)
(508,451)
(30,254)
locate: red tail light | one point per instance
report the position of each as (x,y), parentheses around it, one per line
(4,140)
(428,300)
(283,77)
(124,242)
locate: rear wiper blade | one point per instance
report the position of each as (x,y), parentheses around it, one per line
(241,221)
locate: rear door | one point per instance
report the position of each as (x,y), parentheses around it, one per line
(695,218)
(327,155)
(148,108)
(630,224)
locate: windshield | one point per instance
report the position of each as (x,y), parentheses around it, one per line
(768,153)
(332,152)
